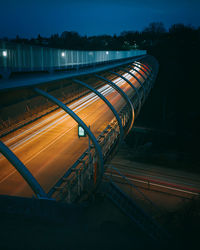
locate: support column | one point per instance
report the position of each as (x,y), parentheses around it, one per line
(108,103)
(81,123)
(144,78)
(123,94)
(150,71)
(147,75)
(135,89)
(137,66)
(23,171)
(145,66)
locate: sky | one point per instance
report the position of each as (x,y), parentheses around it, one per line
(28,18)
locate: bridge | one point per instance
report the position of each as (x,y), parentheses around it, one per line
(64,115)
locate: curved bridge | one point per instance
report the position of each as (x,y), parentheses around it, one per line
(57,136)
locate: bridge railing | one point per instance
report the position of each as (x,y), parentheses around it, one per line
(25,58)
(81,176)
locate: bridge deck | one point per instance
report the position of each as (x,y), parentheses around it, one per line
(39,78)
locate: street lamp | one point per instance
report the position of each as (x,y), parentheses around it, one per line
(4,53)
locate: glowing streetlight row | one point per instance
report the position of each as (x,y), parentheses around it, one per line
(63,54)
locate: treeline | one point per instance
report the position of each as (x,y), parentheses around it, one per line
(149,37)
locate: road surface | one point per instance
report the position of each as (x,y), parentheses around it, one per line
(50,145)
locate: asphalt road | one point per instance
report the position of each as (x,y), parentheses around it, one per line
(157,178)
(50,145)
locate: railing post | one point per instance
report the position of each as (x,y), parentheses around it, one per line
(19,57)
(42,59)
(31,57)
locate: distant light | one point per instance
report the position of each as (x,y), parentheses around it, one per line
(81,131)
(107,52)
(63,54)
(5,53)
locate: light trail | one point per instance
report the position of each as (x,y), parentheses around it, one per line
(165,185)
(37,141)
(88,99)
(54,123)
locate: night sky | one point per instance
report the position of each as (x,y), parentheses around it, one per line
(28,18)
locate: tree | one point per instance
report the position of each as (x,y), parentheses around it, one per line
(155,28)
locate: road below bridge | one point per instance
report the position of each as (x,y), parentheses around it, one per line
(50,145)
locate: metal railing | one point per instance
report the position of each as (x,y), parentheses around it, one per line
(22,58)
(81,176)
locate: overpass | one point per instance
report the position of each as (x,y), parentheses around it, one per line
(115,82)
(61,124)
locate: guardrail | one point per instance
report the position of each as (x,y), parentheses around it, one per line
(27,58)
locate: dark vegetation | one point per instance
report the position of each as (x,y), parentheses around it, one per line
(173,104)
(151,36)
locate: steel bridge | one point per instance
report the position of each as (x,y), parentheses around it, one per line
(60,129)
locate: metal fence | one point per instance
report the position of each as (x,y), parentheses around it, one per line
(23,58)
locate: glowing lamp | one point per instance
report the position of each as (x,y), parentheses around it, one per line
(4,53)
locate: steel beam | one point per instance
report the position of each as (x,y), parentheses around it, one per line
(23,171)
(108,103)
(135,89)
(81,123)
(150,71)
(142,84)
(123,94)
(144,66)
(147,75)
(128,66)
(148,68)
(142,69)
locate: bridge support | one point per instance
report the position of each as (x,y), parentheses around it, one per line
(142,69)
(81,123)
(145,78)
(135,89)
(128,66)
(142,85)
(145,66)
(108,103)
(23,171)
(123,94)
